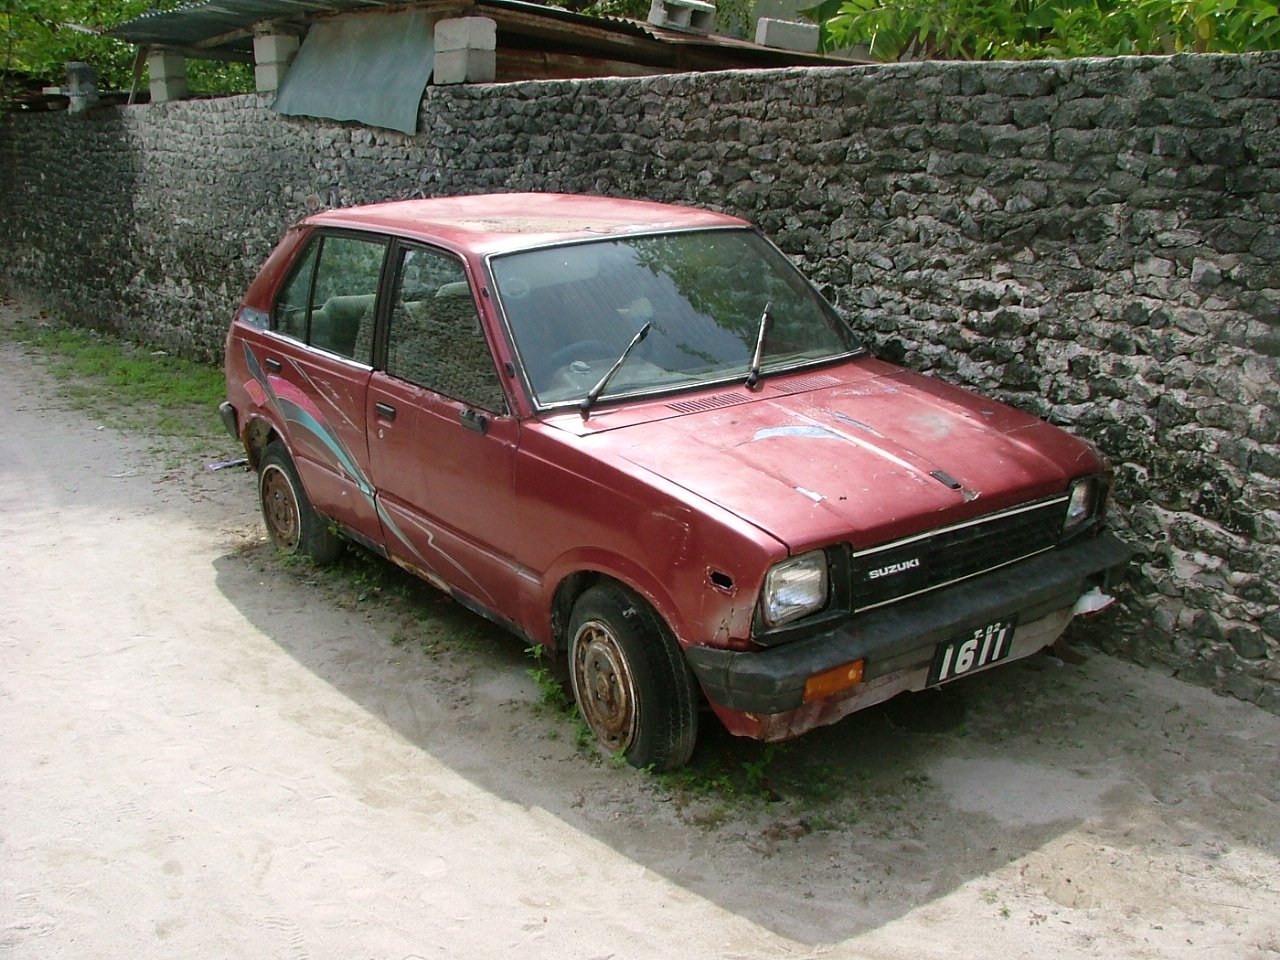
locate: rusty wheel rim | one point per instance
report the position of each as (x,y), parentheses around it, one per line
(603,685)
(280,508)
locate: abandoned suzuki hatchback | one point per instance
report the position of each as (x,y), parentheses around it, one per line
(635,434)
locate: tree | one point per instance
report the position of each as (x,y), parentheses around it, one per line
(38,37)
(1038,29)
(732,16)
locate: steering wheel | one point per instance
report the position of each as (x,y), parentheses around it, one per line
(578,350)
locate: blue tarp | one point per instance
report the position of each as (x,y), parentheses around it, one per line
(371,68)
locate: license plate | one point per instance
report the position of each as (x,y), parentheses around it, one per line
(977,649)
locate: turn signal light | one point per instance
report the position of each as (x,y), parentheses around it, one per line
(830,682)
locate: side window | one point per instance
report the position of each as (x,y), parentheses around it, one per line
(290,316)
(330,304)
(435,339)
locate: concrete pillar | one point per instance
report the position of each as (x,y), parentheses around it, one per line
(82,87)
(272,54)
(168,73)
(466,50)
(787,35)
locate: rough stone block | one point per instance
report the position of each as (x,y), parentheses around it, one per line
(691,15)
(787,35)
(82,87)
(164,90)
(168,76)
(268,76)
(466,33)
(465,66)
(275,47)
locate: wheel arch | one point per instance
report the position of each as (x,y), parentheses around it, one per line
(574,575)
(258,433)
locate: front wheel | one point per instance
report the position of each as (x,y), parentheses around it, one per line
(291,521)
(630,679)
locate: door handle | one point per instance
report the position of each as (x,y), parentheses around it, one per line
(475,422)
(272,364)
(384,410)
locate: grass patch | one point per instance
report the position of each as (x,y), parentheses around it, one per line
(748,771)
(554,693)
(432,621)
(127,385)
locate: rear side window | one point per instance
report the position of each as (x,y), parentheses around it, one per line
(330,298)
(294,303)
(435,338)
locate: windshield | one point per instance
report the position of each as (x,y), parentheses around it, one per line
(572,311)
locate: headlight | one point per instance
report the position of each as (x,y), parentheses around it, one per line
(795,588)
(1082,504)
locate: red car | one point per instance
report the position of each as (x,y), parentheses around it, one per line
(634,433)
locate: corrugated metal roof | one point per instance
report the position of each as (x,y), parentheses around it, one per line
(203,24)
(227,25)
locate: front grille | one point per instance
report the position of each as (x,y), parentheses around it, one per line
(904,568)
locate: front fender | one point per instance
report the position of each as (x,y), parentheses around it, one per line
(697,611)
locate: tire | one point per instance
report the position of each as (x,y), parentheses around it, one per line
(291,521)
(630,679)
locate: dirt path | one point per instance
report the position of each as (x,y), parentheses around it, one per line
(207,754)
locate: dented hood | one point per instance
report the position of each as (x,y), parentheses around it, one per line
(873,455)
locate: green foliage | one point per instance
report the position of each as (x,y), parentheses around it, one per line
(732,16)
(750,772)
(39,37)
(634,9)
(550,690)
(554,693)
(128,385)
(1039,29)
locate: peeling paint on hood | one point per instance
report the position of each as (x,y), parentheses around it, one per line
(854,461)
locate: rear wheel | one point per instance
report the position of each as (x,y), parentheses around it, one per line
(630,679)
(291,521)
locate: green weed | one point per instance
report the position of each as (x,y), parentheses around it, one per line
(127,385)
(550,690)
(749,779)
(917,781)
(755,772)
(819,783)
(559,702)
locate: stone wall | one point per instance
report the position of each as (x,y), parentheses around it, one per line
(1096,241)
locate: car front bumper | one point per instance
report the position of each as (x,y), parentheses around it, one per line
(761,693)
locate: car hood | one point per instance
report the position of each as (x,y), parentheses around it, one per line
(878,455)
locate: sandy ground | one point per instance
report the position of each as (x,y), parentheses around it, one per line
(208,754)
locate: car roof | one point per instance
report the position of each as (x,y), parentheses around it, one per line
(496,223)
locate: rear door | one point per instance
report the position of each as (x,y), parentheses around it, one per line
(314,369)
(441,440)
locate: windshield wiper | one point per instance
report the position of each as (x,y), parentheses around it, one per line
(754,376)
(590,399)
